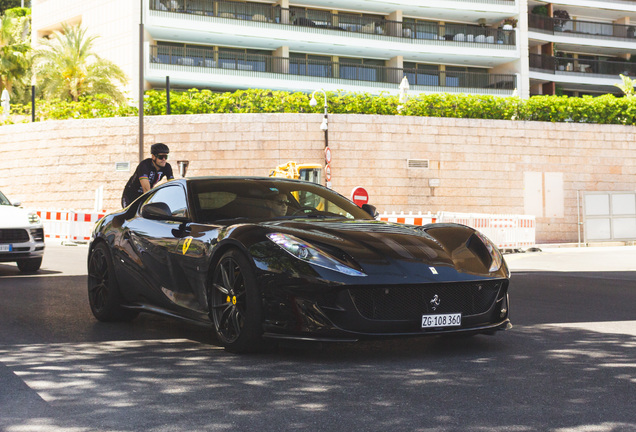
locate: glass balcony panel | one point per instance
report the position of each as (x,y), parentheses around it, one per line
(581,28)
(323,21)
(249,64)
(571,65)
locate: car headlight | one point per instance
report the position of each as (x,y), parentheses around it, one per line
(34,218)
(311,254)
(497,258)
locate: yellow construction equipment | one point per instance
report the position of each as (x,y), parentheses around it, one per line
(292,170)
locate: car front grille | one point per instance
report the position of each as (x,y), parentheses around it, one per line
(411,302)
(11,235)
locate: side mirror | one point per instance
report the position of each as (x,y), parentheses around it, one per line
(371,210)
(17,204)
(160,211)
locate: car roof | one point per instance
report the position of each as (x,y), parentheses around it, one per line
(275,179)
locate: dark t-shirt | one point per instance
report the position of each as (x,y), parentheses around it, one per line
(146,169)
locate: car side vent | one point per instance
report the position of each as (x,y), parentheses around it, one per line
(417,163)
(122,166)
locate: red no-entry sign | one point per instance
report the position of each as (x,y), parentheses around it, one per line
(327,155)
(359,195)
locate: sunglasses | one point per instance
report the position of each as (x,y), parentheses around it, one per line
(162,157)
(283,202)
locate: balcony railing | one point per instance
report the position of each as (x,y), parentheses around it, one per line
(327,23)
(497,2)
(587,29)
(567,65)
(202,60)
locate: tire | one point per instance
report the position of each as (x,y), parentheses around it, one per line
(29,265)
(235,305)
(103,291)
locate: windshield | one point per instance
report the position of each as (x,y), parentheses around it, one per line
(227,199)
(4,200)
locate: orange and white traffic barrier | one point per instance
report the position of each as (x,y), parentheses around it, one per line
(411,219)
(506,231)
(82,225)
(56,223)
(69,225)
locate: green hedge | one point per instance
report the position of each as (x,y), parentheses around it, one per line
(606,109)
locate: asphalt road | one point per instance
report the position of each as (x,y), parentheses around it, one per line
(569,363)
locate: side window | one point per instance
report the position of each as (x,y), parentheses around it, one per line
(174,197)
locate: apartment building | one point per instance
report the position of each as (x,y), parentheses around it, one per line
(459,46)
(580,47)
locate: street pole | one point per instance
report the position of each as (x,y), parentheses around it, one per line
(326,121)
(167,95)
(324,126)
(141,81)
(33,103)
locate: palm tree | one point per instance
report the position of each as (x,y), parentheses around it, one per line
(67,67)
(627,86)
(14,48)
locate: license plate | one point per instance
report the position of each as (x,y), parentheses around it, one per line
(5,248)
(442,320)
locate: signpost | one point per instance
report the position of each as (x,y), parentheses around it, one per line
(328,167)
(327,155)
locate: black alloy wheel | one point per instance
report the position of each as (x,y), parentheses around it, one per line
(103,292)
(235,307)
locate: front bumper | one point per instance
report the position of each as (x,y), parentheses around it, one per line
(352,313)
(21,243)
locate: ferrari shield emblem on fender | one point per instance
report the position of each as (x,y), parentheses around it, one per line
(432,269)
(186,244)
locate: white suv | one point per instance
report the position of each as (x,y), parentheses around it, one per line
(21,236)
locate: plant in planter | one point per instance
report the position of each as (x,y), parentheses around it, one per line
(509,23)
(560,18)
(540,10)
(558,57)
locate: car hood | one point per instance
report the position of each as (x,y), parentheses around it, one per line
(14,217)
(429,252)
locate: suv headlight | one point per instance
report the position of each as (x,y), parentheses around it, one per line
(311,254)
(34,218)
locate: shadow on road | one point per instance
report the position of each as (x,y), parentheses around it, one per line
(440,384)
(68,372)
(13,270)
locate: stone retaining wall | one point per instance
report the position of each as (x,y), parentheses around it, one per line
(485,166)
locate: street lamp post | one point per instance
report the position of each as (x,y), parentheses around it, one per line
(324,126)
(141,82)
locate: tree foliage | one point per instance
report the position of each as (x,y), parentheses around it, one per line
(14,52)
(627,86)
(9,4)
(68,68)
(606,109)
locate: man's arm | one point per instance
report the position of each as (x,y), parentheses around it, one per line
(145,184)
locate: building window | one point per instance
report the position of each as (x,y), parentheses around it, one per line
(422,74)
(310,65)
(362,69)
(421,29)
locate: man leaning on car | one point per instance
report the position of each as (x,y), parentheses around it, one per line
(148,173)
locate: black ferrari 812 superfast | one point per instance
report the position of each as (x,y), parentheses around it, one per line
(264,258)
